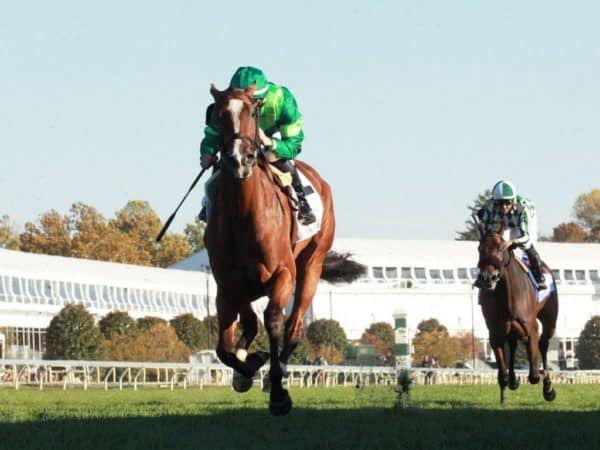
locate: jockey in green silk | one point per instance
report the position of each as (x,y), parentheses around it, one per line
(280,133)
(512,212)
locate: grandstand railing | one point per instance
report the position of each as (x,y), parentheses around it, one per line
(132,375)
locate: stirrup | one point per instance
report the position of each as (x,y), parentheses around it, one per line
(305,214)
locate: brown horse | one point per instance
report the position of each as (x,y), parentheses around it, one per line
(511,311)
(250,243)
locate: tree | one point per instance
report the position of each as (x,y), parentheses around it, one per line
(212,330)
(381,336)
(172,248)
(51,236)
(588,346)
(587,210)
(141,223)
(429,325)
(190,330)
(118,323)
(194,233)
(9,238)
(470,233)
(569,232)
(435,344)
(146,322)
(156,344)
(327,338)
(468,347)
(72,334)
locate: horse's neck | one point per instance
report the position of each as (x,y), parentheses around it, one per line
(253,200)
(517,284)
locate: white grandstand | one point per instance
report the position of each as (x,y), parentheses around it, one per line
(425,279)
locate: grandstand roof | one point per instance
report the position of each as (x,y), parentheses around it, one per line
(84,270)
(438,253)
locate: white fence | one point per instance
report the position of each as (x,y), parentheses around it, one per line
(132,375)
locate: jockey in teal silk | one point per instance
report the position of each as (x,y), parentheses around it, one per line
(280,133)
(515,214)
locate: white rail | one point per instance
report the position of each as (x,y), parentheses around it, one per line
(121,374)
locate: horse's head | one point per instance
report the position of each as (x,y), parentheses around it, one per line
(493,257)
(238,126)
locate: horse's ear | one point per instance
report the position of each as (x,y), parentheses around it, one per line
(214,91)
(250,89)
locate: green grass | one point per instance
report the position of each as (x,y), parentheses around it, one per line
(466,417)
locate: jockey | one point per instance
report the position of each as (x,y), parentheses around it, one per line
(512,212)
(280,133)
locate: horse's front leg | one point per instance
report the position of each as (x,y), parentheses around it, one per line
(280,292)
(244,367)
(497,344)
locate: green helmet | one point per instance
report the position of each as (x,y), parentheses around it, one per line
(504,190)
(247,76)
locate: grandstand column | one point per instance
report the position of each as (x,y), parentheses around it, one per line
(401,346)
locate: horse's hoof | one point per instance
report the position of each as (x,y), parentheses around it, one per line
(549,395)
(241,383)
(256,360)
(534,379)
(513,385)
(282,406)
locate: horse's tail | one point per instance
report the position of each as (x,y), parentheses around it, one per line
(340,268)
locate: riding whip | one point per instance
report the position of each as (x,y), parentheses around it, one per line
(172,216)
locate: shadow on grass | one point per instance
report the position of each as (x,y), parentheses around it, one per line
(369,428)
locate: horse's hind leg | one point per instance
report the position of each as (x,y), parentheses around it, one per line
(548,328)
(513,381)
(533,340)
(280,292)
(306,287)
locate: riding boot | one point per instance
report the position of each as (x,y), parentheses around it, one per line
(305,213)
(536,267)
(479,281)
(202,215)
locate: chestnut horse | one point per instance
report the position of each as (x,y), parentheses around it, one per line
(252,253)
(511,311)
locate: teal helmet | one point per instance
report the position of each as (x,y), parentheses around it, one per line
(247,76)
(504,190)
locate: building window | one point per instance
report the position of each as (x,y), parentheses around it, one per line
(435,274)
(580,275)
(474,271)
(569,275)
(405,273)
(594,276)
(448,274)
(556,274)
(378,273)
(391,273)
(420,273)
(463,274)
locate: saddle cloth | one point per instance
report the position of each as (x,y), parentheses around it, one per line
(550,285)
(312,197)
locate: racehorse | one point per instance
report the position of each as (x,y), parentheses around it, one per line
(250,242)
(511,310)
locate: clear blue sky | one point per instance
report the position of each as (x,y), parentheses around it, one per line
(411,108)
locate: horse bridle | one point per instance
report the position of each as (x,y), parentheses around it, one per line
(499,263)
(255,143)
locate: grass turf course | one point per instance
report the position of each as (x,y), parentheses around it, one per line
(466,417)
